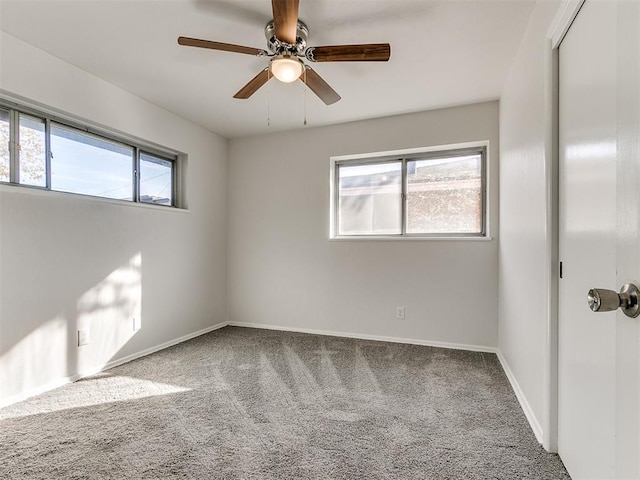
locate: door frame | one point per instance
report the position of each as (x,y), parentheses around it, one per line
(566,14)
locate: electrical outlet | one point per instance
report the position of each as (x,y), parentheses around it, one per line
(137,324)
(83,337)
(400,313)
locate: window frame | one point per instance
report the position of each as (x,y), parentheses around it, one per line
(405,156)
(9,145)
(138,147)
(174,182)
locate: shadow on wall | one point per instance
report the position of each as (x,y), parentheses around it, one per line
(109,313)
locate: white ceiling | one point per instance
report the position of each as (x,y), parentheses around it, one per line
(443,53)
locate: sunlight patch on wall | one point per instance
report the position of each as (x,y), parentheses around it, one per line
(37,358)
(110,312)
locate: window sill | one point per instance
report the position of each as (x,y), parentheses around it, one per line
(38,191)
(383,238)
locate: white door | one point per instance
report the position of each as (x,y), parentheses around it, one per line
(599,135)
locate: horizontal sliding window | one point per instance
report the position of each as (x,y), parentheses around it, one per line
(435,193)
(40,151)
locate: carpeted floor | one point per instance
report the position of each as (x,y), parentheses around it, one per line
(242,403)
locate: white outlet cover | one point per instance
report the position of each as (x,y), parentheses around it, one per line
(83,337)
(137,324)
(400,312)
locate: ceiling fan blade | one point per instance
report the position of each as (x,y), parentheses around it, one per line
(321,88)
(285,19)
(226,47)
(367,52)
(254,84)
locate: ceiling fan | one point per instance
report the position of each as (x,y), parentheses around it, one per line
(287,44)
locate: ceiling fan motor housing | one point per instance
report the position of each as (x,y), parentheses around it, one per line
(278,47)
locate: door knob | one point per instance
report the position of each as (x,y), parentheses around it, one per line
(601,300)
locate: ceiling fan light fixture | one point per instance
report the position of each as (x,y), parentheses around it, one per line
(286,68)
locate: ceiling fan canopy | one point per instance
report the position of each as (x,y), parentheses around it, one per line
(287,47)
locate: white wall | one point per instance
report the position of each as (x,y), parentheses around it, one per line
(68,261)
(283,270)
(525,239)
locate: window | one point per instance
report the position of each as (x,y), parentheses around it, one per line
(156,179)
(40,151)
(433,193)
(32,151)
(84,163)
(4,146)
(369,199)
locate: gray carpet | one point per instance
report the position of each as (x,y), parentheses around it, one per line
(256,404)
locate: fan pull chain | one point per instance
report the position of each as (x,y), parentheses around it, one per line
(268,99)
(305,96)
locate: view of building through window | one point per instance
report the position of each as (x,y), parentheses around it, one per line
(440,193)
(369,197)
(445,195)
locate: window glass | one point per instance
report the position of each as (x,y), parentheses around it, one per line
(436,193)
(87,164)
(370,199)
(32,151)
(444,195)
(156,180)
(4,146)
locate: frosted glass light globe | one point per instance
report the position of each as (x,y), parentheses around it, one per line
(286,69)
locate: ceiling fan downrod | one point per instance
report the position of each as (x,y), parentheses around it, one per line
(279,47)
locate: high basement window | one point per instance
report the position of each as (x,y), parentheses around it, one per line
(49,153)
(436,193)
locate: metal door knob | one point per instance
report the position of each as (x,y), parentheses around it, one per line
(601,300)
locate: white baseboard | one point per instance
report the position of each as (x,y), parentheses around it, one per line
(85,373)
(361,336)
(151,350)
(526,408)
